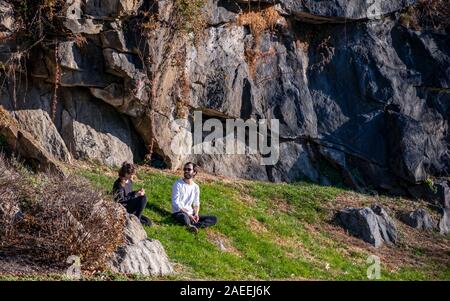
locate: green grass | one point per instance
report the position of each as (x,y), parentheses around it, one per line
(266,226)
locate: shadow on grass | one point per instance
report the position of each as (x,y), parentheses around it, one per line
(167,215)
(159,210)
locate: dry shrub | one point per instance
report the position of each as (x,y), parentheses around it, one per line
(149,23)
(272,17)
(50,218)
(9,203)
(259,21)
(80,40)
(255,21)
(427,14)
(6,118)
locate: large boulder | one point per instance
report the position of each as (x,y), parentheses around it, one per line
(419,219)
(386,224)
(372,225)
(39,124)
(23,145)
(134,232)
(140,255)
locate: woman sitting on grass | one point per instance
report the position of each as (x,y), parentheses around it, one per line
(134,201)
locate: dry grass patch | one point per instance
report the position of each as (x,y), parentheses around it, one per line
(222,242)
(280,205)
(256,226)
(260,21)
(294,248)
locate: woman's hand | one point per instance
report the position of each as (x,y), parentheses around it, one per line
(141,192)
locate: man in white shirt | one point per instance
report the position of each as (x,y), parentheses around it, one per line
(186,201)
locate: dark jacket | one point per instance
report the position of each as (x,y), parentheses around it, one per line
(123,194)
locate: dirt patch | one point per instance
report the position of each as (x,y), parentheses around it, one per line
(281,205)
(222,242)
(22,266)
(298,249)
(256,226)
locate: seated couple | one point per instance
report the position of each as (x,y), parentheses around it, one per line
(185,198)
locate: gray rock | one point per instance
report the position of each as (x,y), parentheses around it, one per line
(134,232)
(220,12)
(108,137)
(419,219)
(81,67)
(140,255)
(40,125)
(112,8)
(122,64)
(148,257)
(442,189)
(86,26)
(128,66)
(116,39)
(362,223)
(386,225)
(295,164)
(23,145)
(372,225)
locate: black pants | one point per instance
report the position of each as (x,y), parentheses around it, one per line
(136,205)
(203,221)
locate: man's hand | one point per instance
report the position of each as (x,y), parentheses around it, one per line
(196,218)
(192,218)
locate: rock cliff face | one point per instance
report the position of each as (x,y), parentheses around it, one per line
(360,88)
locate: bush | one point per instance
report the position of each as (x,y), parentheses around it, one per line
(50,218)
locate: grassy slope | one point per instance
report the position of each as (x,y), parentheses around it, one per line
(277,231)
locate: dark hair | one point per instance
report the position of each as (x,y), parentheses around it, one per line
(127,168)
(194,166)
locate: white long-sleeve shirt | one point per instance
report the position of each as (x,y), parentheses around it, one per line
(185,196)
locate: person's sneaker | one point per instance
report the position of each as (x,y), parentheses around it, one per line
(193,229)
(146,221)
